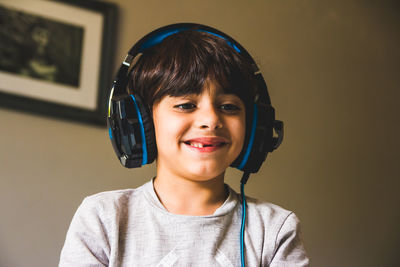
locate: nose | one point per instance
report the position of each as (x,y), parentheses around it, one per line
(209,117)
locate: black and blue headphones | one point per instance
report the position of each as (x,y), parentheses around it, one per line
(130,124)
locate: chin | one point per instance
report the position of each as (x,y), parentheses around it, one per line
(206,172)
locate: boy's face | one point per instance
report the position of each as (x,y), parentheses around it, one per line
(198,136)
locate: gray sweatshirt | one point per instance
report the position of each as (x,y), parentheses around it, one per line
(132,228)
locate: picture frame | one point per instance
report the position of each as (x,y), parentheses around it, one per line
(56,58)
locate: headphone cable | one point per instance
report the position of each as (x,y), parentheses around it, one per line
(243,181)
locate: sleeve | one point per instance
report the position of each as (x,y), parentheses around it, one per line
(86,243)
(289,248)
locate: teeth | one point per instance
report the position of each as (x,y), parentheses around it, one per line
(201,145)
(198,145)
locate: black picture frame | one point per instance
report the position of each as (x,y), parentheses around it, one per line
(95,72)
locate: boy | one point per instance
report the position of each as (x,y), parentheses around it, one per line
(200,91)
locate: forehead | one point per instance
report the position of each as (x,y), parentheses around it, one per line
(211,88)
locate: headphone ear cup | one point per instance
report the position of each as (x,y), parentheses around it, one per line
(258,140)
(239,161)
(131,131)
(148,127)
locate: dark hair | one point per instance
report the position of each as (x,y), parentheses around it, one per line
(183,62)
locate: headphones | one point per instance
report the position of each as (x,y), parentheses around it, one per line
(130,124)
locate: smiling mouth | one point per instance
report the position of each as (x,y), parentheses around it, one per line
(204,145)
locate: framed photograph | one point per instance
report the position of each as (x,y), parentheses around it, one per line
(56,57)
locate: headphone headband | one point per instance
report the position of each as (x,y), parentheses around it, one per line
(157,36)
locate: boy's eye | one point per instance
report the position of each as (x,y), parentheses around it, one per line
(230,107)
(185,106)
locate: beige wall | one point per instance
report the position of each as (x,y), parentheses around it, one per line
(333,74)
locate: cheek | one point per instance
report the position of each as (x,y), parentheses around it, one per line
(238,131)
(167,130)
(161,133)
(242,134)
(243,126)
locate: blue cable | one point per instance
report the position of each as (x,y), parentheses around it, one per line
(243,223)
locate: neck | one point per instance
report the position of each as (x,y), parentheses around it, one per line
(187,197)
